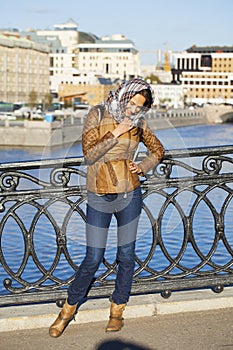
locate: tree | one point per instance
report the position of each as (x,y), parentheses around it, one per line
(32,99)
(47,101)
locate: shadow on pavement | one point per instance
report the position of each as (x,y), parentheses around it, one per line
(120,345)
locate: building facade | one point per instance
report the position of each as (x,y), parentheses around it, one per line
(168,95)
(24,67)
(113,57)
(81,58)
(206,74)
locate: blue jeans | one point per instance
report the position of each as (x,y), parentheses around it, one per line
(100,209)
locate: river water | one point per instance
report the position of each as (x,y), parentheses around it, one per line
(174,138)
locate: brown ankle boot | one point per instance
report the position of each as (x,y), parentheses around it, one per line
(116,321)
(63,319)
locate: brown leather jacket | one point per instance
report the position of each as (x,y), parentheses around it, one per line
(108,158)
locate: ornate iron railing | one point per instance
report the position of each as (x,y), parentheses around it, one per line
(184,239)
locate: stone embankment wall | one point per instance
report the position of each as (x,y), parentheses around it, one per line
(39,134)
(168,123)
(46,134)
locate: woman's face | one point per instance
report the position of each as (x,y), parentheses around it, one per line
(134,105)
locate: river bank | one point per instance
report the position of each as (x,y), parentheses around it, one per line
(68,130)
(167,123)
(56,133)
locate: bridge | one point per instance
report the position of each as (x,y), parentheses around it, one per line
(219,114)
(227,117)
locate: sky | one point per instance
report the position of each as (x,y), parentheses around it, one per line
(151,24)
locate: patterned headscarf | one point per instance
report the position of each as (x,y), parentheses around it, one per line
(117,100)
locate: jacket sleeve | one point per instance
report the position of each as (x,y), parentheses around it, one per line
(155,149)
(94,147)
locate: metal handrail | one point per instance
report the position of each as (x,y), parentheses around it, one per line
(42,206)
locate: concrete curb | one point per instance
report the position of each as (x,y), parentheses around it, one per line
(39,316)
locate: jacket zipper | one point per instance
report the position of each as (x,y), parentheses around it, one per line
(126,173)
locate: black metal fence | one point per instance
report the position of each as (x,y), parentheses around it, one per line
(185,238)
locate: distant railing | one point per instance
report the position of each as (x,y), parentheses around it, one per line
(177,113)
(78,117)
(184,239)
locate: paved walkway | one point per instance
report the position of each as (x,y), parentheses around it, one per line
(210,330)
(200,320)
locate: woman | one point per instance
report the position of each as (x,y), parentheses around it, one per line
(110,141)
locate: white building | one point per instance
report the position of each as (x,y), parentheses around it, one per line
(66,32)
(81,58)
(113,57)
(72,76)
(62,41)
(168,95)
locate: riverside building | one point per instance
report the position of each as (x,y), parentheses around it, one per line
(206,74)
(24,67)
(114,57)
(79,59)
(168,95)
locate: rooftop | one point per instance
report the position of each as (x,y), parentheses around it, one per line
(6,39)
(210,49)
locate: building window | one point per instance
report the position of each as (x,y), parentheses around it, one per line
(206,61)
(183,63)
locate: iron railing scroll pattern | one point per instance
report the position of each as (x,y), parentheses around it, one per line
(184,237)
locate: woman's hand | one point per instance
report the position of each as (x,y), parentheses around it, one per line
(134,168)
(123,127)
